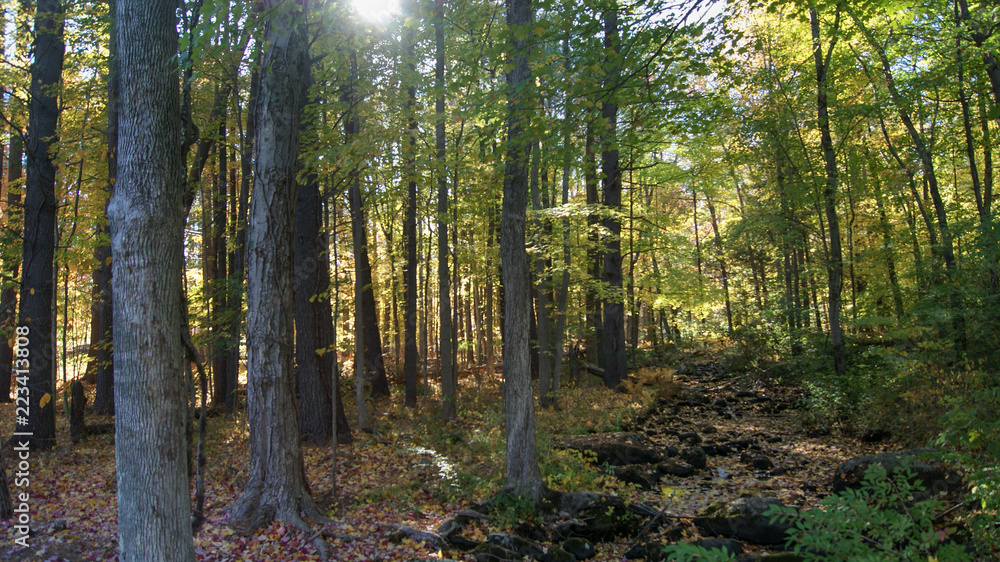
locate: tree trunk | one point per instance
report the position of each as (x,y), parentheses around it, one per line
(410,214)
(446,337)
(37,289)
(541,291)
(614,309)
(147,228)
(315,356)
(220,287)
(237,256)
(276,486)
(104,397)
(835,264)
(8,297)
(523,476)
(722,262)
(595,340)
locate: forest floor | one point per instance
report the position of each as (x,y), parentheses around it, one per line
(417,472)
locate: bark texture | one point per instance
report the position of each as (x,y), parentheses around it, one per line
(523,476)
(614,307)
(276,486)
(147,221)
(39,223)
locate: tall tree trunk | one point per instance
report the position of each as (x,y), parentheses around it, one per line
(37,289)
(8,297)
(614,308)
(104,397)
(595,259)
(523,476)
(563,294)
(276,486)
(835,263)
(722,262)
(410,214)
(237,255)
(374,359)
(541,291)
(315,356)
(220,299)
(448,375)
(147,228)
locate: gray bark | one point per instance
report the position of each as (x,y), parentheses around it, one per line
(146,215)
(523,476)
(276,486)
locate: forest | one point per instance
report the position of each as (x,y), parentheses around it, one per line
(481,280)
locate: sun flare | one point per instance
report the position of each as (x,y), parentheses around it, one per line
(376,10)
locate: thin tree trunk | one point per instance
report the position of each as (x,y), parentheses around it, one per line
(448,378)
(410,357)
(237,256)
(722,262)
(595,344)
(835,264)
(8,298)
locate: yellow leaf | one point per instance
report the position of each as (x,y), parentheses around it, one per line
(31,291)
(45,400)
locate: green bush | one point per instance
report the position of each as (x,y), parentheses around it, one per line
(883,520)
(972,432)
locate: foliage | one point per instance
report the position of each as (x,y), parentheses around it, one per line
(972,432)
(684,552)
(887,518)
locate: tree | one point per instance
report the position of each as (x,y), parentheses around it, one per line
(448,375)
(835,262)
(410,208)
(276,486)
(147,225)
(523,476)
(104,397)
(39,225)
(614,307)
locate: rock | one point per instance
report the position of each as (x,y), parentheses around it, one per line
(616,449)
(695,456)
(708,429)
(556,554)
(733,547)
(450,527)
(579,548)
(740,444)
(432,540)
(936,477)
(651,552)
(716,450)
(595,516)
(462,543)
(746,394)
(675,468)
(521,546)
(532,531)
(643,475)
(720,402)
(743,519)
(690,438)
(760,462)
(487,552)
